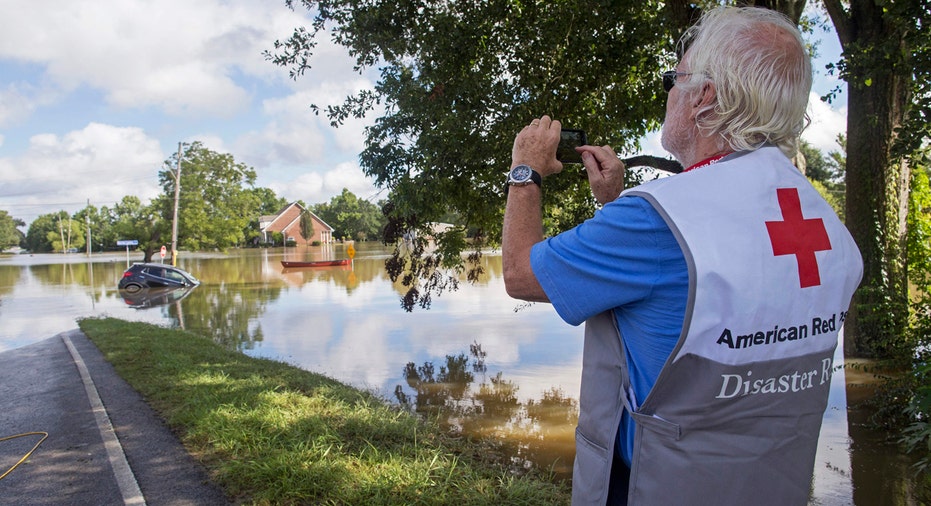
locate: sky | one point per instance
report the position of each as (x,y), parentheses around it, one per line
(95,96)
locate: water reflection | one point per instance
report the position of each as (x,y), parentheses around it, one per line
(879,477)
(147,298)
(486,364)
(531,432)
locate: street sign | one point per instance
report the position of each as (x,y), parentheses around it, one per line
(351,251)
(163,252)
(127,243)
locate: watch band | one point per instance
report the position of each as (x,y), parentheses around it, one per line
(535,178)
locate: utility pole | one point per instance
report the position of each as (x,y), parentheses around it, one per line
(87,217)
(61,233)
(174,221)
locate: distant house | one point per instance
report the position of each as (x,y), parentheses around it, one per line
(288,222)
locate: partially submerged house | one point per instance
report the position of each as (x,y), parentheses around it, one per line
(288,223)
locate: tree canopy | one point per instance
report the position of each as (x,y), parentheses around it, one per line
(459,79)
(886,63)
(10,236)
(55,232)
(131,219)
(351,217)
(217,202)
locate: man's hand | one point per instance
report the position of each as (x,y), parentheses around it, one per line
(605,172)
(535,146)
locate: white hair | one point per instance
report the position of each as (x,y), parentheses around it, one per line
(761,71)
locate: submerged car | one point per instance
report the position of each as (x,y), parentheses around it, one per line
(146,275)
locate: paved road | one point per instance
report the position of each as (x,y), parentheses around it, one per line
(105,446)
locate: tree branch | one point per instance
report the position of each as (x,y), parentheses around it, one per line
(791,8)
(841,20)
(663,164)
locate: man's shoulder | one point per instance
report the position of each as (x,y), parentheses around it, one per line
(633,205)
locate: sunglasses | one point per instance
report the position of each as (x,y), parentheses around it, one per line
(669,78)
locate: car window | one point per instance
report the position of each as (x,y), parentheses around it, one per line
(175,276)
(156,271)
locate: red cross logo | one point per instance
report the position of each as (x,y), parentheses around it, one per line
(795,235)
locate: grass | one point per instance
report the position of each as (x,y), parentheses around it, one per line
(270,433)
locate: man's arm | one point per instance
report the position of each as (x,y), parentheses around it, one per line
(534,146)
(523,227)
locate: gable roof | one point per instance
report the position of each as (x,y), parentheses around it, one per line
(270,219)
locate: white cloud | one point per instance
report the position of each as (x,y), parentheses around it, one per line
(321,186)
(293,134)
(14,105)
(650,144)
(179,56)
(100,163)
(141,65)
(290,135)
(826,124)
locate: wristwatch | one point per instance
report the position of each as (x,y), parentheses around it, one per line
(522,175)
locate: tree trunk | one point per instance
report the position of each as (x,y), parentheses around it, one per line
(877,179)
(791,8)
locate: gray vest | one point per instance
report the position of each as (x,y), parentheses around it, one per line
(735,414)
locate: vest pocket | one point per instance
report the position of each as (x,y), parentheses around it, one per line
(655,452)
(591,471)
(658,425)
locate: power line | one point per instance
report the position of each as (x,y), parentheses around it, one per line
(33,192)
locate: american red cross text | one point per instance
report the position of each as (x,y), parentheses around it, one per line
(795,235)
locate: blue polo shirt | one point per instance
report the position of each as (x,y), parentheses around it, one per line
(624,258)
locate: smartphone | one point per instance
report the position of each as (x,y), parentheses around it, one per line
(569,139)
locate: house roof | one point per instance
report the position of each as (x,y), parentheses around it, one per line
(267,220)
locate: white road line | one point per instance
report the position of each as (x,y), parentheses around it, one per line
(124,474)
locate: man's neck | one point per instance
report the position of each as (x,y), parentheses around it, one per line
(705,148)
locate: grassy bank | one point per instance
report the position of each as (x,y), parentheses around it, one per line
(270,433)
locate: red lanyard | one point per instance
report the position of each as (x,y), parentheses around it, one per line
(706,162)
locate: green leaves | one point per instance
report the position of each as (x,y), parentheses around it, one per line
(217,203)
(351,217)
(458,80)
(9,235)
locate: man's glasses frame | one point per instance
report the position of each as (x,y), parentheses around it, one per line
(669,79)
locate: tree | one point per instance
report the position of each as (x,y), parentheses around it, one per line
(69,235)
(10,236)
(827,173)
(307,225)
(54,232)
(351,217)
(217,203)
(131,220)
(886,63)
(268,203)
(459,79)
(37,237)
(99,224)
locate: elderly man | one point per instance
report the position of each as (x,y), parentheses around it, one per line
(713,298)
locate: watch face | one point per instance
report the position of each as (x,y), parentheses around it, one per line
(520,173)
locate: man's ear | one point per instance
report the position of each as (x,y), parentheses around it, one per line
(706,97)
(703,101)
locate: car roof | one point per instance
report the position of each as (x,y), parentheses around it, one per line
(156,264)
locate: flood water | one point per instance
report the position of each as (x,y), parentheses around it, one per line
(486,363)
